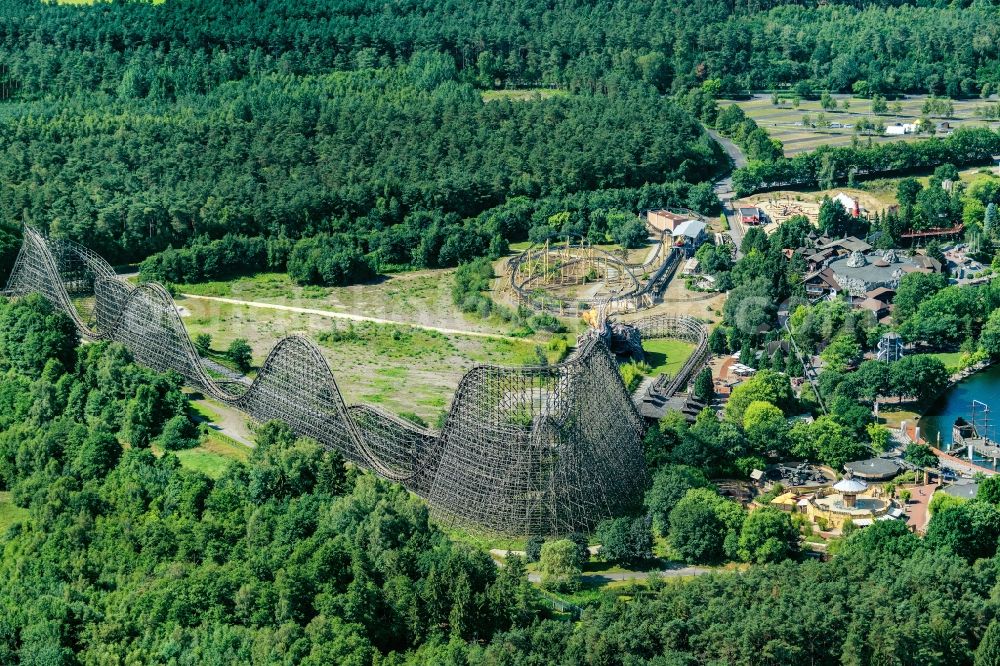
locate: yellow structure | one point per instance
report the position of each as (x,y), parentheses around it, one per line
(849,499)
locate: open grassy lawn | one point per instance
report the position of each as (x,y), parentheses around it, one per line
(951,360)
(666,355)
(212,455)
(484,542)
(893,418)
(785,122)
(9,513)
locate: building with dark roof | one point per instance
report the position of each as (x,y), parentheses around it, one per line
(821,284)
(873,469)
(859,273)
(964,489)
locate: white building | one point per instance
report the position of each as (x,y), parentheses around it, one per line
(899,129)
(689,235)
(850,204)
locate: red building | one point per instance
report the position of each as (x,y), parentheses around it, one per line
(750,215)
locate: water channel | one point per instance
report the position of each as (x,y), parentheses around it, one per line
(957,401)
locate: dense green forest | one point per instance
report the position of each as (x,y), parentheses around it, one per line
(345,153)
(290,558)
(136,127)
(186,47)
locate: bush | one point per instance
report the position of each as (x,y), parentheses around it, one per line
(633,372)
(533,548)
(240,354)
(559,565)
(203,343)
(469,283)
(179,433)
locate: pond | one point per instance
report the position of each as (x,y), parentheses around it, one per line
(983,386)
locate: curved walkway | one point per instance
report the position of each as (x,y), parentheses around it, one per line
(724,187)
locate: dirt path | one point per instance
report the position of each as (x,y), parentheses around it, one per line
(346,316)
(226,420)
(633,575)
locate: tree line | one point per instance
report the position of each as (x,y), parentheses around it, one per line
(173,50)
(827,165)
(397,163)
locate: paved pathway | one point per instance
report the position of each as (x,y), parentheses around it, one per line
(734,151)
(346,316)
(916,509)
(610,576)
(724,188)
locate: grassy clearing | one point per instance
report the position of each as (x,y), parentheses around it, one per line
(401,368)
(784,122)
(213,455)
(893,418)
(525,95)
(9,513)
(204,412)
(951,360)
(415,297)
(666,355)
(484,542)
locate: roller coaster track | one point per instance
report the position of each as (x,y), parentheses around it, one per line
(684,328)
(538,450)
(526,287)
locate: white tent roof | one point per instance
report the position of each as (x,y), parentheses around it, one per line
(691,228)
(851,486)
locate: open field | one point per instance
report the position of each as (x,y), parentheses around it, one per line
(9,513)
(784,122)
(418,297)
(213,455)
(521,95)
(399,367)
